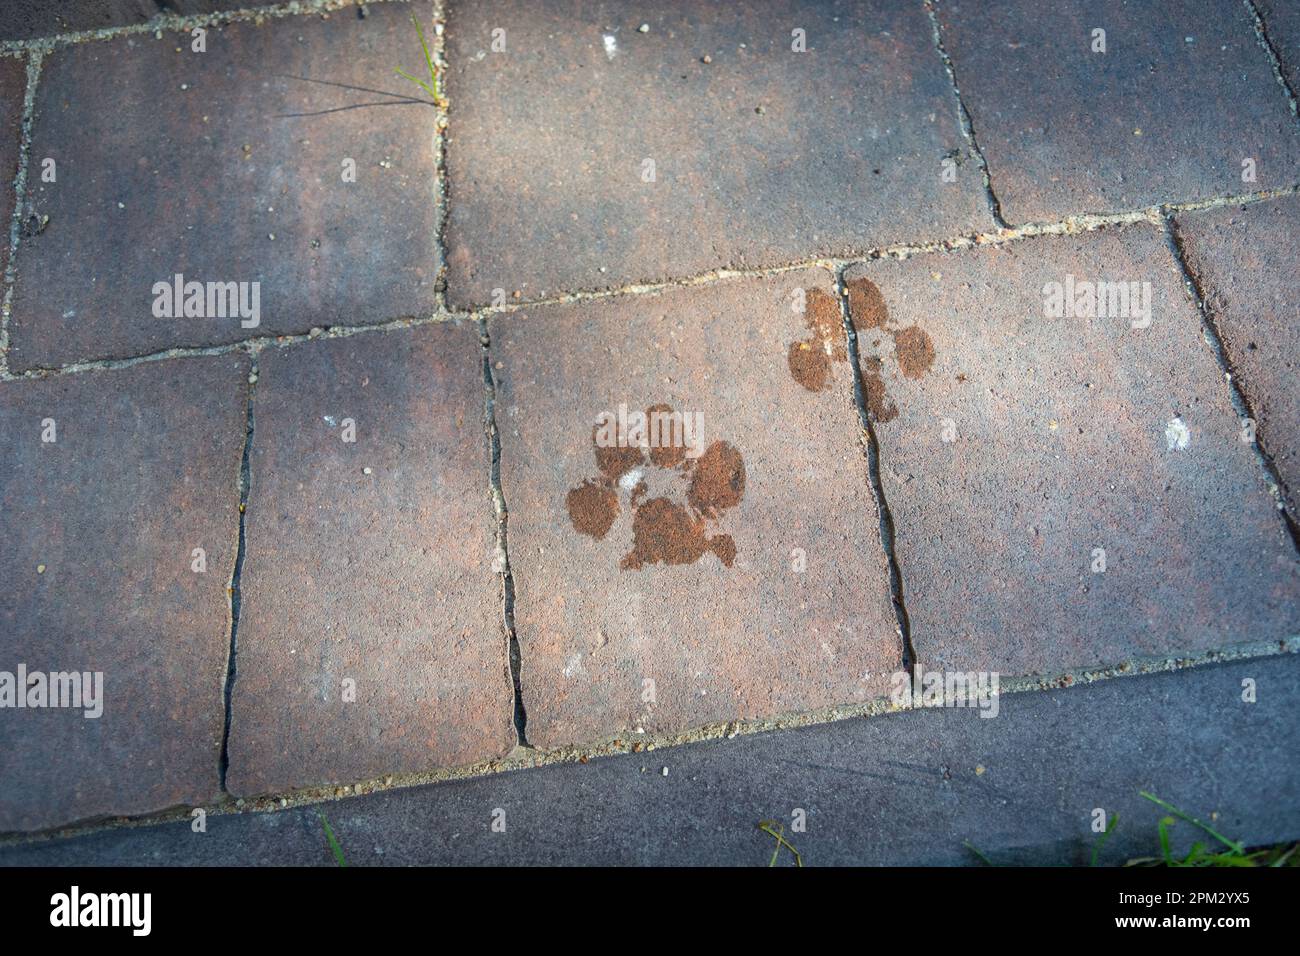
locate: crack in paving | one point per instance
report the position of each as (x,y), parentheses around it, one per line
(871,445)
(963,115)
(245,485)
(502,559)
(20,187)
(1274,58)
(1240,400)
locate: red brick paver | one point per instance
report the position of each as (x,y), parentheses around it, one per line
(370,562)
(1245,263)
(98,531)
(761,154)
(659,591)
(1067,435)
(1181,96)
(201,166)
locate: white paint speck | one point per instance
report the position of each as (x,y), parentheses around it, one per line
(631,479)
(1176,434)
(329,420)
(611,45)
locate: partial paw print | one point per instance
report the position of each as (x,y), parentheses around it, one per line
(660,449)
(913,349)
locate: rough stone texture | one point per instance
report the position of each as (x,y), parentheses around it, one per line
(200,166)
(1062,432)
(761,156)
(1244,259)
(1048,760)
(1282,25)
(97,531)
(382,578)
(1153,119)
(28,19)
(700,593)
(13,86)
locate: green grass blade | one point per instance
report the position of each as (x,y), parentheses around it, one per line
(433,74)
(1231,844)
(334,844)
(420,83)
(1165,824)
(974,849)
(1101,840)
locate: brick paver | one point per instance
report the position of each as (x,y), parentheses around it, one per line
(1182,95)
(1245,263)
(98,531)
(201,172)
(13,86)
(761,155)
(1282,23)
(371,562)
(1070,434)
(744,582)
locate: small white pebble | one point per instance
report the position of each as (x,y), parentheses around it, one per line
(643,28)
(665,771)
(367,471)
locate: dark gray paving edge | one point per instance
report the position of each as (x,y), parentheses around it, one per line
(907,788)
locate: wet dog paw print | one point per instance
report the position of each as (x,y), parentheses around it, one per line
(664,530)
(913,349)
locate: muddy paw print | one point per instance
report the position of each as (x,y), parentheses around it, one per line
(913,349)
(660,450)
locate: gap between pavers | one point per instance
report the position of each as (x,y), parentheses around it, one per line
(370,639)
(117,539)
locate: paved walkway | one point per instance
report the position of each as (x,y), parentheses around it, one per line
(321,397)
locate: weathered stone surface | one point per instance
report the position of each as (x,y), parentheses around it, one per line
(98,531)
(13,87)
(211,156)
(1069,435)
(761,154)
(749,581)
(1181,96)
(1021,788)
(371,562)
(1245,263)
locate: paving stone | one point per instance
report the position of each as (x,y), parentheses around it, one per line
(207,161)
(1069,434)
(1245,264)
(1182,95)
(98,531)
(13,87)
(370,562)
(906,789)
(739,569)
(29,19)
(1282,24)
(761,155)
